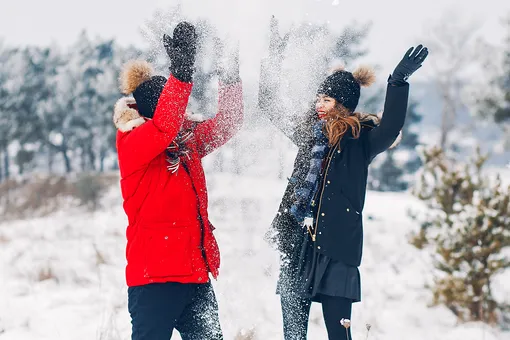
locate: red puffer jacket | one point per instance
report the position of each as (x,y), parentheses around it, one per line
(169,236)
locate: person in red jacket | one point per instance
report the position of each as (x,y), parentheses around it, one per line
(171,248)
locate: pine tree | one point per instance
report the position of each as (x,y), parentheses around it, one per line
(98,73)
(390,175)
(66,109)
(411,139)
(109,61)
(6,115)
(467,231)
(29,94)
(496,104)
(78,119)
(84,66)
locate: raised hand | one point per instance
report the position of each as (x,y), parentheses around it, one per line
(411,61)
(182,49)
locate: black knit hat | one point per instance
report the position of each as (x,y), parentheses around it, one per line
(345,87)
(137,78)
(147,95)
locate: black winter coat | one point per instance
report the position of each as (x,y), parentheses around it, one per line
(339,220)
(341,199)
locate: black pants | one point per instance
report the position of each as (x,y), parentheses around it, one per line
(156,309)
(296,311)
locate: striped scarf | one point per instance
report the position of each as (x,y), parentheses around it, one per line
(305,191)
(178,149)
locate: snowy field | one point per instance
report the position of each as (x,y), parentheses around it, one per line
(62,276)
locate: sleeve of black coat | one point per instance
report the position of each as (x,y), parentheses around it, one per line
(392,121)
(269,103)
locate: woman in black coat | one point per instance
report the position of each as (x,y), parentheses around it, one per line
(318,228)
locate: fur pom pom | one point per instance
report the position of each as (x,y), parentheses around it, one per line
(364,75)
(133,74)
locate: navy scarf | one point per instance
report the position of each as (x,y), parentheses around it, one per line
(305,191)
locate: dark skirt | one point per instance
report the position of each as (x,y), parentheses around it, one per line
(321,275)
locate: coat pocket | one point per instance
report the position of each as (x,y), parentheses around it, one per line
(347,209)
(167,252)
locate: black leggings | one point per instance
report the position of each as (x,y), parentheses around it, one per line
(296,311)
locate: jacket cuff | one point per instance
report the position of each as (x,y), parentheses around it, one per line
(396,82)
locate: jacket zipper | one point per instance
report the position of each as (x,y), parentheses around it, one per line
(323,186)
(202,230)
(202,226)
(328,158)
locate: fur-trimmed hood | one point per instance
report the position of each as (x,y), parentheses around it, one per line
(126,116)
(372,120)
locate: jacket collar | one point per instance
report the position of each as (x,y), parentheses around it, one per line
(126,116)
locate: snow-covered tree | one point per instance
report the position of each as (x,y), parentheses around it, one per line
(453,40)
(467,230)
(7,119)
(495,103)
(28,88)
(78,122)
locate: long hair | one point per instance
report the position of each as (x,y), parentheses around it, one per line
(339,121)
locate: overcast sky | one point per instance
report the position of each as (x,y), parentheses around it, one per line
(397,24)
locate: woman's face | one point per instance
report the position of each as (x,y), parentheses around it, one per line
(324,105)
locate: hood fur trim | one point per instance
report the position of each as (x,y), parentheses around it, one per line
(133,73)
(126,118)
(376,119)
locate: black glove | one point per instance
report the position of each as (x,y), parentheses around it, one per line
(408,65)
(182,49)
(227,67)
(277,44)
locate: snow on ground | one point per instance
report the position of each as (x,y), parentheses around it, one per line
(62,276)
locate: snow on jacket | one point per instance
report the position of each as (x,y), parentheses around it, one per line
(169,236)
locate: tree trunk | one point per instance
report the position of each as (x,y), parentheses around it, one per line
(115,165)
(1,172)
(51,159)
(6,163)
(506,137)
(102,156)
(67,161)
(450,97)
(446,116)
(91,158)
(83,160)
